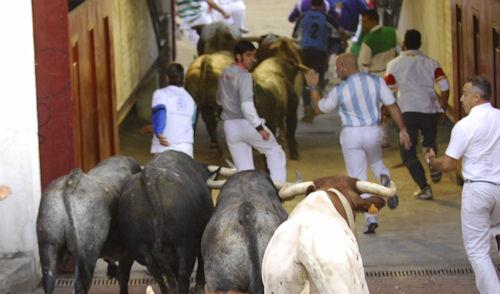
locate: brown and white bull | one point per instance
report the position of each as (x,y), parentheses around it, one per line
(315,250)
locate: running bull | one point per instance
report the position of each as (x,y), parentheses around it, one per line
(315,250)
(247,213)
(276,84)
(78,214)
(162,214)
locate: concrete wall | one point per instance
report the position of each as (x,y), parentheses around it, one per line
(19,157)
(135,46)
(433,19)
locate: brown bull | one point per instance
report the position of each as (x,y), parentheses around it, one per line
(274,79)
(277,80)
(202,79)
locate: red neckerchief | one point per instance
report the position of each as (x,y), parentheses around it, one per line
(240,65)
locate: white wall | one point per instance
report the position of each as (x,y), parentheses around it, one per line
(19,158)
(433,19)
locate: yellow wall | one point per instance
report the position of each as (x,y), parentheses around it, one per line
(135,46)
(433,19)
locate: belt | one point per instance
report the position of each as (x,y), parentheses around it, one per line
(480,181)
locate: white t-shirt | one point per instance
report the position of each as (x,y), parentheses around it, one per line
(413,75)
(476,138)
(180,111)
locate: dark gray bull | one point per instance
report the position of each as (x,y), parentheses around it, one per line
(248,212)
(162,214)
(78,214)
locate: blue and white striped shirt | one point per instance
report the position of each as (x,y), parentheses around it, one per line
(358,100)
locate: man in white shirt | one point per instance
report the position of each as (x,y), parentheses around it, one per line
(358,100)
(476,140)
(414,75)
(243,127)
(174,113)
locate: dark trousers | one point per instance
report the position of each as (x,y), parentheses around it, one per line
(317,60)
(425,123)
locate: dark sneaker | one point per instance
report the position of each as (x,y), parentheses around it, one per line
(392,202)
(424,194)
(370,228)
(435,175)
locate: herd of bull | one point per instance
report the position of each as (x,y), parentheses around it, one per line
(162,216)
(277,81)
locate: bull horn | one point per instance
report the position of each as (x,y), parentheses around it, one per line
(369,187)
(224,171)
(280,185)
(290,191)
(215,184)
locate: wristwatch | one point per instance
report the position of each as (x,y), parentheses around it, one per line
(428,160)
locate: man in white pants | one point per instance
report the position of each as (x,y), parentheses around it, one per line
(243,127)
(358,100)
(476,139)
(174,113)
(236,9)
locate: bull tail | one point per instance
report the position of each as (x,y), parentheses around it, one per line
(247,219)
(149,177)
(84,270)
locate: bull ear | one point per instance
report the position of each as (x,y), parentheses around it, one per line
(310,189)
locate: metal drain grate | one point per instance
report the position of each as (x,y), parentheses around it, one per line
(106,282)
(442,271)
(389,273)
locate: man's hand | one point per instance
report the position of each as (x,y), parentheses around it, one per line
(265,134)
(163,140)
(404,139)
(428,154)
(312,78)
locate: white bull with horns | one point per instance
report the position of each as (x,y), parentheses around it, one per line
(315,250)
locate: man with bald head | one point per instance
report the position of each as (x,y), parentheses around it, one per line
(358,100)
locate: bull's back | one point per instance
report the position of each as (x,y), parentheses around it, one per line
(52,220)
(203,74)
(282,271)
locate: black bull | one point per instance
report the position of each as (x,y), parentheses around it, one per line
(248,212)
(276,84)
(78,214)
(162,214)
